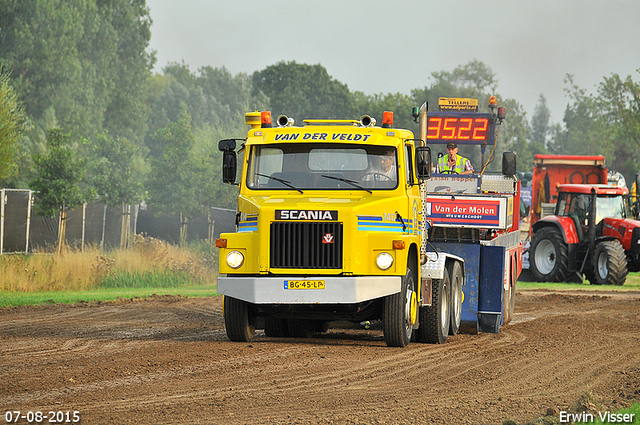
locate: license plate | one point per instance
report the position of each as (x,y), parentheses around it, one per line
(304,284)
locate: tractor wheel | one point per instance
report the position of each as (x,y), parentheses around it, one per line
(455,307)
(435,320)
(610,263)
(239,320)
(275,327)
(400,312)
(548,256)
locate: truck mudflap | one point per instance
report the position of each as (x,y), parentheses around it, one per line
(484,284)
(308,289)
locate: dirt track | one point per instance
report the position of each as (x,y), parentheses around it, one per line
(167,360)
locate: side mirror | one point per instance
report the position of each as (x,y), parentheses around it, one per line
(423,162)
(509,163)
(229,161)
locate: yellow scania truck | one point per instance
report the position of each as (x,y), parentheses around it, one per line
(332,225)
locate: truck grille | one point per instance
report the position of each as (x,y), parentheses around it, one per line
(299,245)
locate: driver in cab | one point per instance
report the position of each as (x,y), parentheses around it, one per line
(383,168)
(454,163)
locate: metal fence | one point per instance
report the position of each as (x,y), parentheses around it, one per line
(95,224)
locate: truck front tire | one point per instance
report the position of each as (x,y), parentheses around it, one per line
(239,319)
(398,311)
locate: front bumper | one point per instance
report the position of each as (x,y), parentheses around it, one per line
(337,290)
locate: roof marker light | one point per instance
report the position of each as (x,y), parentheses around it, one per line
(501,113)
(387,119)
(265,118)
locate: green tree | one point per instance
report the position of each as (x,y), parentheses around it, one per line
(540,127)
(114,174)
(473,80)
(85,60)
(214,98)
(513,135)
(477,80)
(129,23)
(303,91)
(619,103)
(172,186)
(208,160)
(58,183)
(12,126)
(211,192)
(374,105)
(585,132)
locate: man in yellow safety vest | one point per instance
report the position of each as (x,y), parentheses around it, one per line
(454,163)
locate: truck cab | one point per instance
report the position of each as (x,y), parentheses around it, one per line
(329,225)
(332,226)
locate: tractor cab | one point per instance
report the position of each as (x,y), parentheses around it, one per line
(576,202)
(593,233)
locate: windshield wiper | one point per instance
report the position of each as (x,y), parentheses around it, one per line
(351,182)
(283,181)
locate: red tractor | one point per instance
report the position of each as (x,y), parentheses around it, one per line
(593,233)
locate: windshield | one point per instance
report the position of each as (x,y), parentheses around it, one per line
(611,206)
(303,166)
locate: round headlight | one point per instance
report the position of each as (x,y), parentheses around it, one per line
(384,260)
(235,259)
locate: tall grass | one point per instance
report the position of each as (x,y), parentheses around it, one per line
(148,263)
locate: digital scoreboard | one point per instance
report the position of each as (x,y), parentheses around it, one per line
(458,121)
(463,128)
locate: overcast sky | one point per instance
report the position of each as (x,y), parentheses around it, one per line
(394,46)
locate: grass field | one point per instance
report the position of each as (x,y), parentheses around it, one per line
(8,299)
(632,284)
(149,267)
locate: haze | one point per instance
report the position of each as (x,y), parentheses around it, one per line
(388,47)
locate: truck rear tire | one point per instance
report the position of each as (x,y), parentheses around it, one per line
(239,320)
(548,256)
(610,263)
(456,280)
(435,320)
(398,312)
